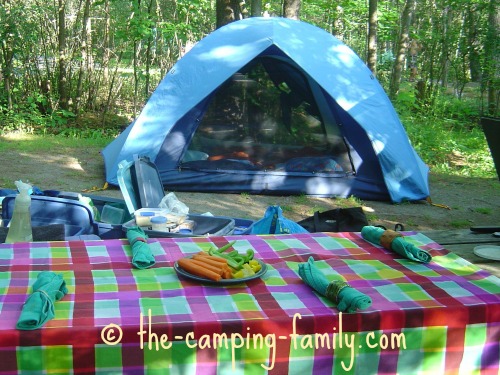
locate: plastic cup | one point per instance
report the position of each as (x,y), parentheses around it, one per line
(159,223)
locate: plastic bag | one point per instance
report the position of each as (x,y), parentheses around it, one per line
(173,205)
(88,202)
(274,222)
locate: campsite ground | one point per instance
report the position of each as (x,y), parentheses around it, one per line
(472,201)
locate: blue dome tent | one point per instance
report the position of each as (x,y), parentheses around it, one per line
(273,106)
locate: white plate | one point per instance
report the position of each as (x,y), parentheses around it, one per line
(488,251)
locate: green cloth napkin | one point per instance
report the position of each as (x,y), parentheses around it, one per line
(399,245)
(39,306)
(142,257)
(347,298)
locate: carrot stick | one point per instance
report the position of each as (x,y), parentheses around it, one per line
(199,263)
(203,253)
(188,266)
(217,259)
(221,264)
(225,269)
(227,274)
(210,260)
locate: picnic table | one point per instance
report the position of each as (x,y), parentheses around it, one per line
(443,316)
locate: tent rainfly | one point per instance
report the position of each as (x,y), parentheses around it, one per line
(273,106)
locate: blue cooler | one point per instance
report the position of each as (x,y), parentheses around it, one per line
(77,218)
(113,212)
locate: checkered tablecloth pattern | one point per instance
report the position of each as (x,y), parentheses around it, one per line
(425,318)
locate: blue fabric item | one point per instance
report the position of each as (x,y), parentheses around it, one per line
(36,191)
(142,256)
(348,299)
(386,166)
(273,222)
(399,245)
(38,309)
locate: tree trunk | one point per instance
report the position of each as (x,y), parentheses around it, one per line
(7,46)
(492,59)
(402,48)
(107,51)
(63,79)
(86,48)
(372,36)
(291,9)
(473,43)
(227,11)
(110,90)
(445,49)
(149,51)
(256,8)
(136,63)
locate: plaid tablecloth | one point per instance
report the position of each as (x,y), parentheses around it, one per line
(434,318)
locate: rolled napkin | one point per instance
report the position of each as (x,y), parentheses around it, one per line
(394,241)
(142,257)
(39,306)
(347,298)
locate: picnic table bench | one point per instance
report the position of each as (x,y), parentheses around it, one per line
(462,243)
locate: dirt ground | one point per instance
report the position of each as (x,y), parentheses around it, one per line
(471,201)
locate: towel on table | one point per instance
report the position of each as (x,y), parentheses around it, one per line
(142,257)
(392,240)
(39,306)
(347,298)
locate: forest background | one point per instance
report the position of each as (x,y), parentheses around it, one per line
(85,68)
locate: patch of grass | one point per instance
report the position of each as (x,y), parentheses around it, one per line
(460,224)
(447,134)
(348,202)
(313,209)
(73,174)
(353,202)
(410,223)
(484,210)
(64,123)
(31,143)
(245,196)
(371,217)
(301,199)
(450,147)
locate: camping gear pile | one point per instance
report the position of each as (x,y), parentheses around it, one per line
(70,216)
(288,110)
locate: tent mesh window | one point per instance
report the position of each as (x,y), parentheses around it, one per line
(268,117)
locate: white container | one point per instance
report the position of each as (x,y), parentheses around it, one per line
(186,227)
(159,223)
(144,215)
